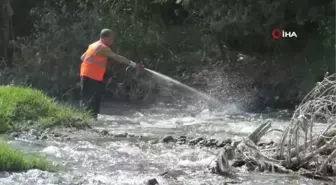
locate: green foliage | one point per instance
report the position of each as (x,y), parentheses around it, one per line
(242,23)
(23,107)
(176,37)
(14,161)
(64,29)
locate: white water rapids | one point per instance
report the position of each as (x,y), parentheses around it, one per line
(103,161)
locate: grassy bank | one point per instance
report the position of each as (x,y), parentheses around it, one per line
(13,161)
(24,108)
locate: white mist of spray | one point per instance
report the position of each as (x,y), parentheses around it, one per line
(206,97)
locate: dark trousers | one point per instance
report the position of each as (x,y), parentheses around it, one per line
(91,94)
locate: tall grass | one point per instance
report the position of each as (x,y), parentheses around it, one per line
(23,107)
(13,161)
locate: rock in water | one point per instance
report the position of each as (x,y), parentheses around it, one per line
(104,132)
(228,141)
(14,134)
(57,134)
(181,140)
(211,142)
(155,141)
(238,163)
(202,142)
(152,182)
(121,135)
(168,139)
(195,141)
(33,132)
(220,144)
(172,174)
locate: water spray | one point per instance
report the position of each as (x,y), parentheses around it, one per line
(140,68)
(203,95)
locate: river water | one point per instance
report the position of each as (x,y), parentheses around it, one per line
(98,161)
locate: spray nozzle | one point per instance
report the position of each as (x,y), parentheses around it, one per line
(140,66)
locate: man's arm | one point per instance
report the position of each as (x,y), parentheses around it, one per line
(83,56)
(109,53)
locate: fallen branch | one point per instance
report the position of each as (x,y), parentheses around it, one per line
(324,165)
(300,145)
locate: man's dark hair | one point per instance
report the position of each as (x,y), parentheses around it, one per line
(106,33)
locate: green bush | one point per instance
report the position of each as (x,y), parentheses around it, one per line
(23,107)
(178,38)
(64,29)
(13,161)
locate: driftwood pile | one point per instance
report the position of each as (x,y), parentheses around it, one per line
(303,149)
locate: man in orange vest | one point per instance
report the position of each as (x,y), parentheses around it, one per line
(93,70)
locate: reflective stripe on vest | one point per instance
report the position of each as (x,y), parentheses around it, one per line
(92,60)
(93,65)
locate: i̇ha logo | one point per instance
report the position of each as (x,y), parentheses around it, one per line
(278,34)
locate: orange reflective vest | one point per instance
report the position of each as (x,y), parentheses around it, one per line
(94,66)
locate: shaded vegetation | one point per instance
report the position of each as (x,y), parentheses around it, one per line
(224,47)
(14,161)
(23,108)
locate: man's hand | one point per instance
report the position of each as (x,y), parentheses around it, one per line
(133,64)
(140,67)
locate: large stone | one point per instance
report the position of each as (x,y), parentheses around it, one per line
(14,134)
(211,142)
(168,139)
(196,140)
(152,182)
(220,144)
(57,134)
(202,142)
(121,135)
(104,132)
(238,163)
(154,141)
(228,141)
(181,140)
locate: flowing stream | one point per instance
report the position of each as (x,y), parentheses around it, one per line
(93,160)
(96,161)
